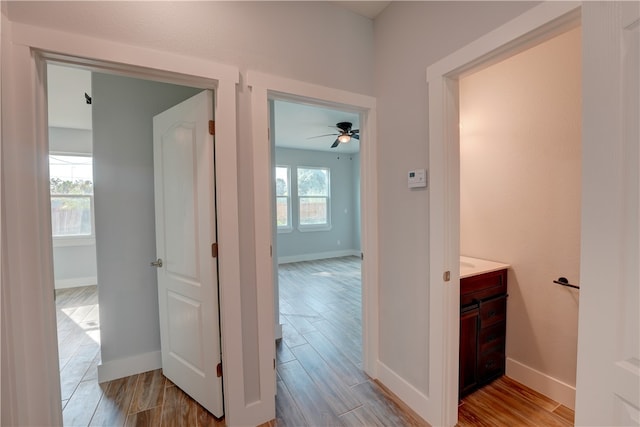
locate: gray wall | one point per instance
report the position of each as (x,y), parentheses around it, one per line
(73,264)
(344,206)
(123,109)
(355,177)
(288,39)
(410,36)
(387,59)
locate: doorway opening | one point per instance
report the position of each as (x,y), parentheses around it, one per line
(97,386)
(518,118)
(317,260)
(443,77)
(73,228)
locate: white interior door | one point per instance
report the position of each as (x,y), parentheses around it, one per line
(185,233)
(608,380)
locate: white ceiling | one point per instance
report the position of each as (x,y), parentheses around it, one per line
(297,125)
(67,105)
(368,9)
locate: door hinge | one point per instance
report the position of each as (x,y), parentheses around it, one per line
(212,127)
(271,251)
(219,370)
(214,250)
(362,256)
(274,363)
(446,276)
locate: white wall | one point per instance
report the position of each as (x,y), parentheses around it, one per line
(66,87)
(74,260)
(520,191)
(123,109)
(69,117)
(70,140)
(297,40)
(409,36)
(343,238)
(288,39)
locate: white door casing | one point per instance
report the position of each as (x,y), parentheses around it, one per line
(264,87)
(540,23)
(24,145)
(608,370)
(185,231)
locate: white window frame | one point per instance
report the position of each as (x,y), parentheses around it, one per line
(78,240)
(289,227)
(314,227)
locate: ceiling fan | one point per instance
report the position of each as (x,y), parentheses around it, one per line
(345,135)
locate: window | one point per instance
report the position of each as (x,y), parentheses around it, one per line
(71,184)
(283,197)
(313,198)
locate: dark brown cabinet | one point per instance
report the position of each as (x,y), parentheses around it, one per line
(483,311)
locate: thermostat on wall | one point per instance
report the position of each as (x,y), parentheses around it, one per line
(417,178)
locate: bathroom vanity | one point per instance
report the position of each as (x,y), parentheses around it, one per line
(483,312)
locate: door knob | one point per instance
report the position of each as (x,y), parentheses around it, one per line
(157,263)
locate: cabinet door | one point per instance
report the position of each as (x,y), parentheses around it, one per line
(469,323)
(491,365)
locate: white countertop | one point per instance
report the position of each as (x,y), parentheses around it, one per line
(474,266)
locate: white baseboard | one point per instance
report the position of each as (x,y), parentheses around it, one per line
(128,366)
(542,383)
(411,396)
(318,255)
(75,282)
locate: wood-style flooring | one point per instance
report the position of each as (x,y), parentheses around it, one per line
(78,349)
(506,402)
(147,399)
(320,380)
(319,359)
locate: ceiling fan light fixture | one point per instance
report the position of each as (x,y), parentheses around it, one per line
(344,138)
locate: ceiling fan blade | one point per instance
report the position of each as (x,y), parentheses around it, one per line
(355,131)
(321,136)
(356,136)
(335,143)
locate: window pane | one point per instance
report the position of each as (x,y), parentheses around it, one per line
(282,181)
(313,182)
(282,209)
(313,210)
(71,188)
(71,215)
(71,174)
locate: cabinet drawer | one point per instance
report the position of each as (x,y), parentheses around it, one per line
(493,311)
(491,364)
(482,286)
(492,336)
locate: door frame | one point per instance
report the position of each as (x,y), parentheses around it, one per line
(532,27)
(263,88)
(29,311)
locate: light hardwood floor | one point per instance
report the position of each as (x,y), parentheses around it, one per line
(320,378)
(506,402)
(319,360)
(319,368)
(78,348)
(147,399)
